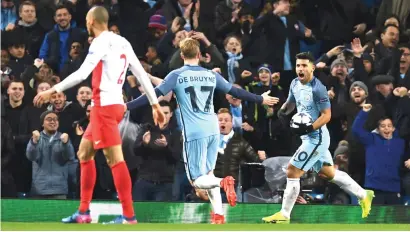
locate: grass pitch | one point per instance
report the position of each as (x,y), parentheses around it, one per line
(13,226)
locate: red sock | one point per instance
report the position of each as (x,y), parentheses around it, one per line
(87,182)
(122,181)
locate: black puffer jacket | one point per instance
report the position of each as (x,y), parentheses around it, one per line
(237,151)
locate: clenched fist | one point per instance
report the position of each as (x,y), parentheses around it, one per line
(407,163)
(400,92)
(331,93)
(218,70)
(247,127)
(367,107)
(64,138)
(36,136)
(262,155)
(246,74)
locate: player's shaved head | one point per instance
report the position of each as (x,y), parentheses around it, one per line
(99,14)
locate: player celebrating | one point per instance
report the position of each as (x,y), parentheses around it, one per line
(109,57)
(194,88)
(309,95)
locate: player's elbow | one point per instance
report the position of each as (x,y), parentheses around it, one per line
(326,115)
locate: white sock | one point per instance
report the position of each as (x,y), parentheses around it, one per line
(350,186)
(207,182)
(215,198)
(290,195)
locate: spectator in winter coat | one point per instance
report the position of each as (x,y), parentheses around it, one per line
(384,157)
(56,45)
(50,152)
(233,149)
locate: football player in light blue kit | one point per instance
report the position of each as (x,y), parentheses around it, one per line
(194,88)
(309,96)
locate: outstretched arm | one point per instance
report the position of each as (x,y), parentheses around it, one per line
(161,90)
(358,130)
(245,95)
(226,87)
(141,75)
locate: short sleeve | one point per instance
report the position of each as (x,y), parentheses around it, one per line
(321,97)
(97,50)
(169,83)
(222,84)
(291,97)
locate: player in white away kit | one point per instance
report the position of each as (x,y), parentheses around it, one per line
(309,96)
(108,58)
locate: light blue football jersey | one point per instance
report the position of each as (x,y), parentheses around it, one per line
(311,98)
(194,88)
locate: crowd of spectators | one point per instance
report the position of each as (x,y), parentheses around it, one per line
(362,49)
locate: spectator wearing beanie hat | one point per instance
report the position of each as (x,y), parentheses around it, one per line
(337,62)
(275,140)
(338,84)
(50,166)
(157,25)
(361,85)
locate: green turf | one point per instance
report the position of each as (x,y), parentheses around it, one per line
(182,227)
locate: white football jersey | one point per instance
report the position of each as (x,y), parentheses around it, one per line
(109,57)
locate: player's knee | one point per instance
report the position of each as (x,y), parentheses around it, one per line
(294,172)
(113,160)
(327,173)
(113,155)
(84,155)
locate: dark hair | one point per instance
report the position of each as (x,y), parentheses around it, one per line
(41,82)
(384,118)
(306,56)
(16,80)
(62,6)
(404,45)
(153,46)
(166,103)
(45,113)
(113,24)
(245,11)
(389,25)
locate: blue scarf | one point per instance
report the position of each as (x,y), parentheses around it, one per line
(223,140)
(232,63)
(237,118)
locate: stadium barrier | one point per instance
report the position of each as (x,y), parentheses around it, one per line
(15,210)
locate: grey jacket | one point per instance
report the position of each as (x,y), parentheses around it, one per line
(50,158)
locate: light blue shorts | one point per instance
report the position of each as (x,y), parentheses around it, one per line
(311,155)
(200,156)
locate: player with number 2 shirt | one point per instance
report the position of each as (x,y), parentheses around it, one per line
(108,58)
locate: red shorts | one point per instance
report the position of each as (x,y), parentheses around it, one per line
(103,127)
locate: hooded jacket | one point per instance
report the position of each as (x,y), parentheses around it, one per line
(50,157)
(384,157)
